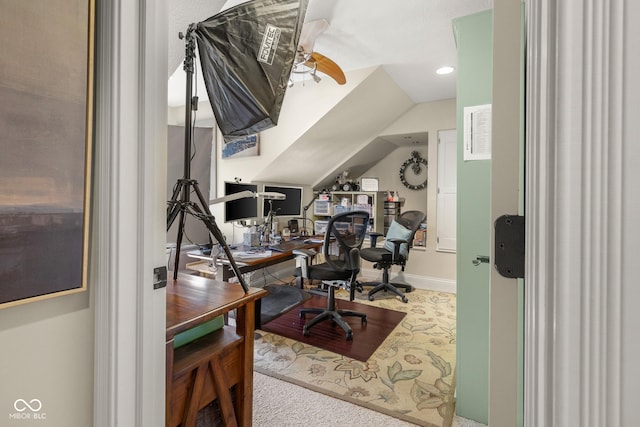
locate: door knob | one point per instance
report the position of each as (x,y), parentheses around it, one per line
(481,259)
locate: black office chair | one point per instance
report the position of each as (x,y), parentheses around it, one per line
(341,250)
(395,251)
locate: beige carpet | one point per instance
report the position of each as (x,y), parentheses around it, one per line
(409,377)
(307,408)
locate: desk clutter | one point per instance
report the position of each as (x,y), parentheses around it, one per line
(248,259)
(262,251)
(251,238)
(251,253)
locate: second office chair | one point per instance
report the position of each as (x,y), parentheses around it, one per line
(395,251)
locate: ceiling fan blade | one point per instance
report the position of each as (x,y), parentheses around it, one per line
(310,32)
(327,66)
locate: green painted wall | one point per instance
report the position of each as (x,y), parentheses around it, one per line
(474,87)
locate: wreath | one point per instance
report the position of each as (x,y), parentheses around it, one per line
(417,163)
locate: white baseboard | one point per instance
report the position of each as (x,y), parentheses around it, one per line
(418,282)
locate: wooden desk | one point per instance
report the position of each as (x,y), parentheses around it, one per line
(205,369)
(246,265)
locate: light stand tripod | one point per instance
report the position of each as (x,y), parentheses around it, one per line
(180,203)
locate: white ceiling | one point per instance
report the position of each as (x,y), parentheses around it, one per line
(409,38)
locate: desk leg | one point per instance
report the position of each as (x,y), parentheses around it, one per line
(244,390)
(258,321)
(222,389)
(227,273)
(190,415)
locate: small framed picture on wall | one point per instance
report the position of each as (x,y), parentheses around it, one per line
(369,184)
(243,147)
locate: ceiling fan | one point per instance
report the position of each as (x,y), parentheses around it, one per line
(309,62)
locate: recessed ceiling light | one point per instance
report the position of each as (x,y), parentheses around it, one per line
(445,70)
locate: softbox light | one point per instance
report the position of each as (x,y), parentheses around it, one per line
(246,53)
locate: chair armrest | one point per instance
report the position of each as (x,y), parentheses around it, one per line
(307,256)
(396,247)
(373,237)
(306,253)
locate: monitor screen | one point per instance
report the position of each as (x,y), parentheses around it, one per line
(237,210)
(290,206)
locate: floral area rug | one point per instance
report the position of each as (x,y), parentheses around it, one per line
(410,376)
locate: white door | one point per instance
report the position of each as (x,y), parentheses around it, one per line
(447,191)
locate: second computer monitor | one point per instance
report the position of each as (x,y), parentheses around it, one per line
(290,206)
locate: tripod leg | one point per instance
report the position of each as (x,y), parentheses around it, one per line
(174,205)
(178,243)
(210,222)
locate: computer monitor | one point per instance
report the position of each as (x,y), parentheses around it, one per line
(241,209)
(290,206)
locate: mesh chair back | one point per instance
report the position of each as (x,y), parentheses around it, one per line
(348,231)
(412,221)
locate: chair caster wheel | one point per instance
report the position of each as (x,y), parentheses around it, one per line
(349,336)
(370,297)
(305,332)
(364,321)
(405,300)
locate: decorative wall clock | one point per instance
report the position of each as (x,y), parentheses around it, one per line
(413,166)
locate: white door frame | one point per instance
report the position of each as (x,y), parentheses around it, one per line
(575,198)
(574,188)
(129,224)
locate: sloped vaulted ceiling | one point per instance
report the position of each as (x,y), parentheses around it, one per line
(342,138)
(406,40)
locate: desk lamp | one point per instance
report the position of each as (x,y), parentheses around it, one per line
(304,218)
(269,195)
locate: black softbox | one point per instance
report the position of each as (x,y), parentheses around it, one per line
(246,54)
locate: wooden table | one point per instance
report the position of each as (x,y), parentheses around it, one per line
(205,369)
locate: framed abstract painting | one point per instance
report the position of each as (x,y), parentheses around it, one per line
(46,129)
(242,147)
